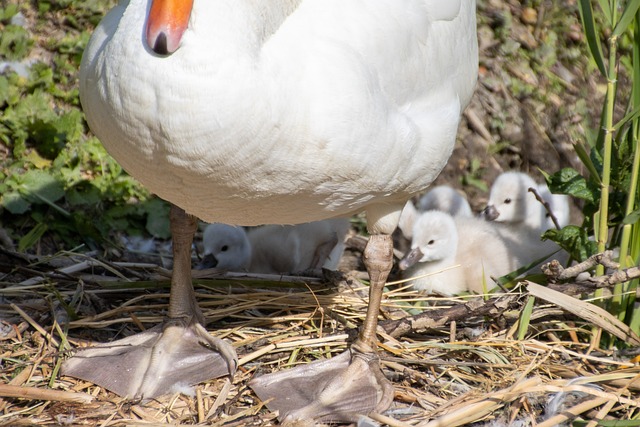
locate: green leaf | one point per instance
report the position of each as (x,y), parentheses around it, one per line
(632,218)
(4,90)
(605,6)
(84,193)
(525,318)
(626,18)
(569,181)
(15,43)
(574,240)
(7,12)
(593,40)
(158,218)
(14,203)
(631,115)
(38,186)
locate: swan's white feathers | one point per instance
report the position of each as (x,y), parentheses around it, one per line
(308,109)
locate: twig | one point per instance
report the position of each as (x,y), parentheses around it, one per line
(546,207)
(34,393)
(475,411)
(35,324)
(555,272)
(436,318)
(559,273)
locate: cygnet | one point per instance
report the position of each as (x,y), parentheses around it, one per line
(522,216)
(441,198)
(510,201)
(275,249)
(455,265)
(446,199)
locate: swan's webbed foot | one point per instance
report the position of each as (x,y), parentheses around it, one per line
(164,359)
(340,389)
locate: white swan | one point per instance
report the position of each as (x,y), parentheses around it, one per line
(456,255)
(275,249)
(254,112)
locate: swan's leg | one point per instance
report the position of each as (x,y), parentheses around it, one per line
(177,354)
(378,260)
(349,385)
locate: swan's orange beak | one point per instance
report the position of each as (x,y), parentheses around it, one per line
(167,21)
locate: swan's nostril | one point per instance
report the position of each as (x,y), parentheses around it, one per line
(161,44)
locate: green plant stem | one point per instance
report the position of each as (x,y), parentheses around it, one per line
(628,246)
(627,302)
(602,223)
(625,242)
(603,220)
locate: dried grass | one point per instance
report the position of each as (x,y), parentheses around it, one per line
(458,371)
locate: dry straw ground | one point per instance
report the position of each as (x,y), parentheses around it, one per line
(460,361)
(457,363)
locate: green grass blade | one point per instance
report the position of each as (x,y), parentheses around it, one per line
(583,155)
(627,16)
(593,41)
(606,9)
(632,115)
(525,318)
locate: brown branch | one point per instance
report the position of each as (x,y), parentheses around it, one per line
(546,207)
(559,273)
(555,273)
(436,318)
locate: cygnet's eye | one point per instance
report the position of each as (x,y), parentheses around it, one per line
(431,242)
(507,201)
(224,248)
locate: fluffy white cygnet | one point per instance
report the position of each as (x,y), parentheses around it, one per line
(510,201)
(446,199)
(523,218)
(459,254)
(441,198)
(275,248)
(226,247)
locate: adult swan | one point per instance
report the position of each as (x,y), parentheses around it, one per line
(274,112)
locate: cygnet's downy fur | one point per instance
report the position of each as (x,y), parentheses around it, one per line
(446,199)
(456,264)
(522,217)
(440,198)
(510,201)
(275,249)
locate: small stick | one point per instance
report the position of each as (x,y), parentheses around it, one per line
(34,393)
(546,207)
(35,324)
(436,318)
(554,271)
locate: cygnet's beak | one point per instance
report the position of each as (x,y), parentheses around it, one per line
(410,259)
(208,261)
(490,213)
